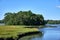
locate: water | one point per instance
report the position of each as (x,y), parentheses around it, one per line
(31,36)
(2,24)
(49,33)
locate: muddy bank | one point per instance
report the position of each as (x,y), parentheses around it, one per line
(21,35)
(27,34)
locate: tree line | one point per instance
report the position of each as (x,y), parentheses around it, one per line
(26,18)
(53,21)
(23,18)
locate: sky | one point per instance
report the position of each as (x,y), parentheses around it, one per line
(50,9)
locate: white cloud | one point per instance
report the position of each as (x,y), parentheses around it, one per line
(58,6)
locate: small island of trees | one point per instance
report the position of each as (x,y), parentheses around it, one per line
(23,18)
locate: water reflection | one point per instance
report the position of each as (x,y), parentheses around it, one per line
(49,34)
(31,36)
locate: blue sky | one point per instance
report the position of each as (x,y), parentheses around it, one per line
(50,9)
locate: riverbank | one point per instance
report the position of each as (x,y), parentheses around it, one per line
(13,31)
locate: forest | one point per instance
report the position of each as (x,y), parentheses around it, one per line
(53,21)
(23,18)
(26,18)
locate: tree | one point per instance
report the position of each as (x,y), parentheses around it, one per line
(53,21)
(23,18)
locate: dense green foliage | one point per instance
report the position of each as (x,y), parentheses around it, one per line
(53,21)
(23,18)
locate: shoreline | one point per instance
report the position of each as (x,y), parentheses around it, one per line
(16,32)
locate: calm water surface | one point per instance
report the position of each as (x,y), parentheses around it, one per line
(49,33)
(2,24)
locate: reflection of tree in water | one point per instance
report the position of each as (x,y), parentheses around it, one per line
(31,36)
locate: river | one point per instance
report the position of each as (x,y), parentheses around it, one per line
(48,33)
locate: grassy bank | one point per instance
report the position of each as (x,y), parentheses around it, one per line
(13,31)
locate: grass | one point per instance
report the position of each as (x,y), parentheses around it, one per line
(13,31)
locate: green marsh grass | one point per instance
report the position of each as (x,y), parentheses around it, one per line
(13,31)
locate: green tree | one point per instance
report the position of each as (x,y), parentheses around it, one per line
(23,18)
